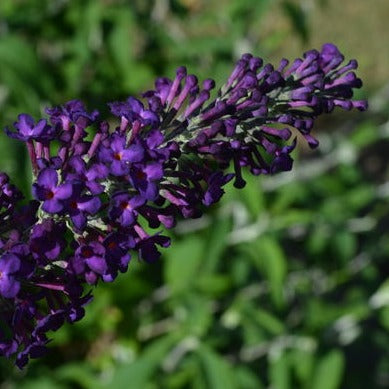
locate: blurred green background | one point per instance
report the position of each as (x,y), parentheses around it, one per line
(283,285)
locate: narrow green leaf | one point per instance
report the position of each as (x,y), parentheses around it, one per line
(268,321)
(270,259)
(329,371)
(138,373)
(298,19)
(218,372)
(182,263)
(216,244)
(246,379)
(279,371)
(303,363)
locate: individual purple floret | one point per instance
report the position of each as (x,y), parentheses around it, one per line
(89,260)
(145,178)
(47,241)
(97,185)
(26,129)
(118,156)
(215,183)
(46,189)
(132,112)
(79,206)
(71,112)
(92,177)
(124,208)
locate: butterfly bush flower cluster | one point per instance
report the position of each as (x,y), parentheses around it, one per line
(101,185)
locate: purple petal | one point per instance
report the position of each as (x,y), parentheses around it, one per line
(117,143)
(136,201)
(118,168)
(105,155)
(149,117)
(39,127)
(9,263)
(64,191)
(78,164)
(97,264)
(25,124)
(54,252)
(91,277)
(127,218)
(48,178)
(134,105)
(78,264)
(9,287)
(151,192)
(91,205)
(94,187)
(133,154)
(52,206)
(98,170)
(154,139)
(154,171)
(79,220)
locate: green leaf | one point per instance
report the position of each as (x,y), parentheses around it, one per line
(218,372)
(252,195)
(329,371)
(303,363)
(80,374)
(279,371)
(344,245)
(213,284)
(270,259)
(182,263)
(364,134)
(246,378)
(318,239)
(199,317)
(298,19)
(292,218)
(40,383)
(143,369)
(268,321)
(216,243)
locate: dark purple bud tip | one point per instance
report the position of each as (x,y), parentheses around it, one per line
(283,64)
(247,56)
(361,105)
(181,72)
(208,84)
(255,63)
(329,49)
(239,183)
(191,80)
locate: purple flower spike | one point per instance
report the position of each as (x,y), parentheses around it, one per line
(9,265)
(167,156)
